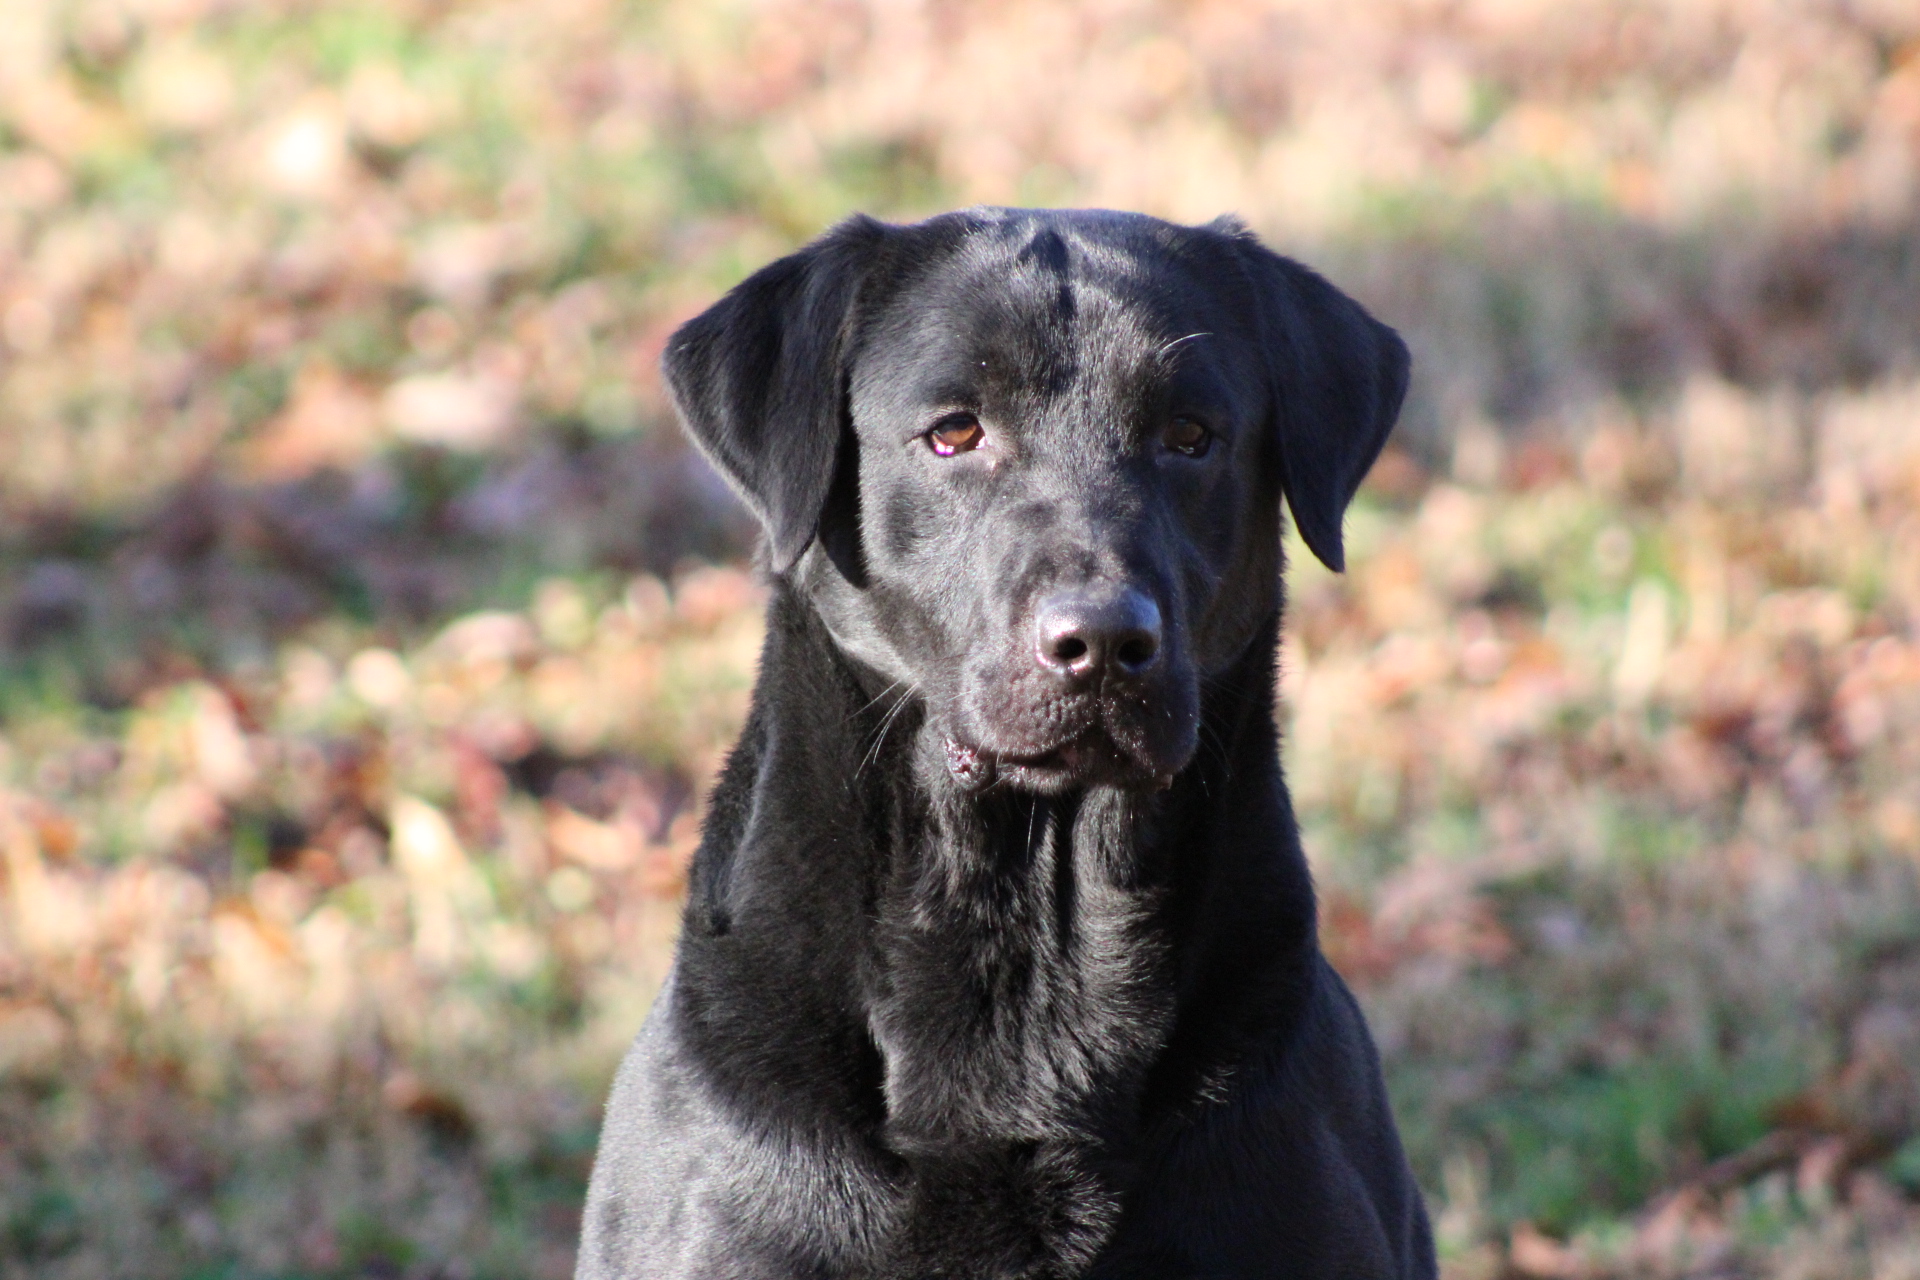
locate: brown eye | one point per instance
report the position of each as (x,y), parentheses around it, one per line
(1188,436)
(956,435)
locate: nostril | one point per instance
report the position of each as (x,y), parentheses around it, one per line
(1070,648)
(1136,651)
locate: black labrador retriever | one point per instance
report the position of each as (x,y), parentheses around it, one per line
(999,958)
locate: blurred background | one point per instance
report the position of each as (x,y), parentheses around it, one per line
(369,636)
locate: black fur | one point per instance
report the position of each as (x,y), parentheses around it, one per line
(986,972)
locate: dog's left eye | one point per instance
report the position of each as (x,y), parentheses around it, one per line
(956,435)
(1187,436)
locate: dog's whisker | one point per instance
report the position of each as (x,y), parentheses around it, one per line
(874,701)
(879,739)
(886,725)
(1168,349)
(1214,750)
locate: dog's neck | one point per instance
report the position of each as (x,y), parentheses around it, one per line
(1021,975)
(950,969)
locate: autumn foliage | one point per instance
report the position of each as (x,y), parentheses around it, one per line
(369,637)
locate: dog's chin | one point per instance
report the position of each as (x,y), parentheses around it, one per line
(1091,759)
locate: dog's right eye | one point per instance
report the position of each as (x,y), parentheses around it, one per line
(1187,436)
(957,434)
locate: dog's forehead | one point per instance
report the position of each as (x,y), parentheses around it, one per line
(1039,304)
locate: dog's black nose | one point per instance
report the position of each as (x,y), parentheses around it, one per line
(1086,633)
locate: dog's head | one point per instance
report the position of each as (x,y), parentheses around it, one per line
(1028,463)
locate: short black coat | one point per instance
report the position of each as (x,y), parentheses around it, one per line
(927,1019)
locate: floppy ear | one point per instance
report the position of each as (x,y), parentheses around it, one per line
(759,379)
(1338,379)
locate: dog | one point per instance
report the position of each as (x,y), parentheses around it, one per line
(999,955)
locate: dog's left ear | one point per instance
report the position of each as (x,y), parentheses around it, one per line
(1338,378)
(759,379)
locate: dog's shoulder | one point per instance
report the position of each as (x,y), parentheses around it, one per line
(1294,1156)
(648,1190)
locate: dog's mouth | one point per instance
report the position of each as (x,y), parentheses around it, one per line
(1090,758)
(1030,735)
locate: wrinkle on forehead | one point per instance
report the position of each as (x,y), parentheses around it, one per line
(1042,326)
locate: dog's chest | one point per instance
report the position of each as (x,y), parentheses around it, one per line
(1017,1002)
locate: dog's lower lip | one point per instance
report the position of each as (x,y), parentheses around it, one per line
(1089,755)
(1053,759)
(968,760)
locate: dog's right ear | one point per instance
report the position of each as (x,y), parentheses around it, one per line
(760,379)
